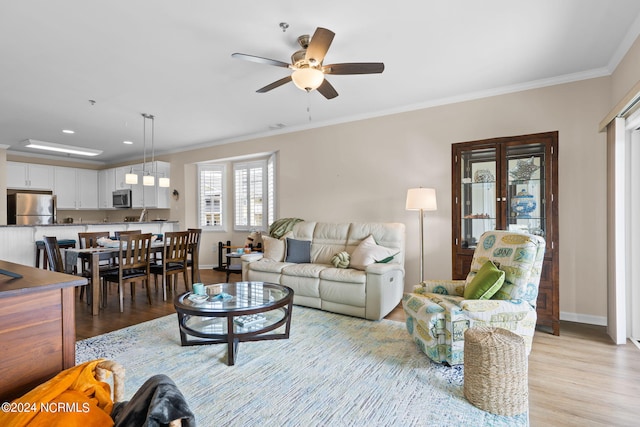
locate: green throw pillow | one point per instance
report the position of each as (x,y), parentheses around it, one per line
(487,281)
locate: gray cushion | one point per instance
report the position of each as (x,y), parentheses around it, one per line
(298,251)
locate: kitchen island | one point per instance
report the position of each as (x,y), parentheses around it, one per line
(20,240)
(37,326)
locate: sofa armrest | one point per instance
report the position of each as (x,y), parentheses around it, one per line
(443,287)
(251,257)
(383,268)
(385,285)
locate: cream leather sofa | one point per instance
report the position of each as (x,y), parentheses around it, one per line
(370,293)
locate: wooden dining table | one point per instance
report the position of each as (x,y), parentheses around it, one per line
(93,256)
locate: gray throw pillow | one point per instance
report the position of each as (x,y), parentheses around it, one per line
(298,251)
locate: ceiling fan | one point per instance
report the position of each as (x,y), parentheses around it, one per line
(308,71)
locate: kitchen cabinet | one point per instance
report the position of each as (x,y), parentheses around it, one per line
(509,184)
(76,188)
(106,187)
(150,196)
(163,197)
(29,176)
(120,173)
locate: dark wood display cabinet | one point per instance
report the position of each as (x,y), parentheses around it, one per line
(509,183)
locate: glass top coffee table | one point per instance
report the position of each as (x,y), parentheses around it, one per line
(234,312)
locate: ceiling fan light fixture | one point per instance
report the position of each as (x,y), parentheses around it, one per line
(307,79)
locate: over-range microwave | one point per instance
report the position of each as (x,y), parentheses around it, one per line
(122,199)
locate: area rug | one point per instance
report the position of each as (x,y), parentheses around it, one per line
(333,370)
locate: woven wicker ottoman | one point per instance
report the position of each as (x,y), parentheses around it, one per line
(496,371)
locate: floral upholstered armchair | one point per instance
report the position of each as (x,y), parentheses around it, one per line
(500,291)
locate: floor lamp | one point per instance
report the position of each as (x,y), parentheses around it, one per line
(421,199)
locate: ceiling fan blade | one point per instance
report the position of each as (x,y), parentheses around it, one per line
(260,60)
(327,90)
(274,85)
(354,68)
(319,45)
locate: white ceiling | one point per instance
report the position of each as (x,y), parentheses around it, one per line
(173,60)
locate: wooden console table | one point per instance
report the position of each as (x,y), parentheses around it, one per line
(37,327)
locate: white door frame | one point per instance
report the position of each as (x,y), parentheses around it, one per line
(616,304)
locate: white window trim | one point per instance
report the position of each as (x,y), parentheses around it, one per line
(223,198)
(246,165)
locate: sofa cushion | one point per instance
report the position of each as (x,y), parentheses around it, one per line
(268,266)
(328,239)
(274,249)
(369,252)
(304,270)
(348,275)
(298,251)
(485,283)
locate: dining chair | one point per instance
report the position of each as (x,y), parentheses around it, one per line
(90,240)
(54,257)
(117,234)
(133,265)
(193,259)
(174,261)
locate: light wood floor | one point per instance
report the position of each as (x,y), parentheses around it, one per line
(579,378)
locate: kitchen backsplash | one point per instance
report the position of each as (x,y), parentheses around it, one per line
(112,215)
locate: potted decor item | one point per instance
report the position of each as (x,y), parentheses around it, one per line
(522,204)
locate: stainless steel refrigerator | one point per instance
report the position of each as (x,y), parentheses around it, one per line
(31,209)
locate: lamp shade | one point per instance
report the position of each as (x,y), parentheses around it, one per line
(131,178)
(421,199)
(307,78)
(164,182)
(148,180)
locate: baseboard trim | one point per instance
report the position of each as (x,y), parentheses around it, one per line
(583,318)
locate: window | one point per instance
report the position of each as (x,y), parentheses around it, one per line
(254,193)
(251,193)
(211,186)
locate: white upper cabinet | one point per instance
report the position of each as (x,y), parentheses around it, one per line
(65,187)
(76,188)
(106,186)
(164,171)
(87,188)
(29,176)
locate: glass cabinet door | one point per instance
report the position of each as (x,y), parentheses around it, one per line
(478,194)
(526,198)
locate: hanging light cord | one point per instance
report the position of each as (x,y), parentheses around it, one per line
(153,149)
(144,144)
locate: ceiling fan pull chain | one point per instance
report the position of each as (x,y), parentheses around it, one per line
(309,105)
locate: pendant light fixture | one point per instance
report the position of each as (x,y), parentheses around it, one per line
(148,179)
(131,178)
(148,176)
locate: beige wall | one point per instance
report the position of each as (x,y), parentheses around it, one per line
(626,75)
(360,171)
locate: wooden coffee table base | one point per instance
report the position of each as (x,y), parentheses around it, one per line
(233,339)
(217,322)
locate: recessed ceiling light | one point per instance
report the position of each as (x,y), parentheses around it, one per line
(127,142)
(68,131)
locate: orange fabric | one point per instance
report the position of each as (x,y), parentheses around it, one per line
(72,398)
